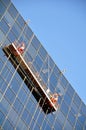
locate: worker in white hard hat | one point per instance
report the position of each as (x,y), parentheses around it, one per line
(21,48)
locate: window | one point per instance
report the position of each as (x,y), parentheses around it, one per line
(48,127)
(3,85)
(2,36)
(70,90)
(42,52)
(64,81)
(56,71)
(74,108)
(2,9)
(40,118)
(82,119)
(28,58)
(25,115)
(67,99)
(32,51)
(11,36)
(77,100)
(13,117)
(16,30)
(68,126)
(10,95)
(21,125)
(4,26)
(57,126)
(64,108)
(4,106)
(9,19)
(29,104)
(61,117)
(22,96)
(23,38)
(51,62)
(28,32)
(33,107)
(35,43)
(18,106)
(7,125)
(44,77)
(60,88)
(12,10)
(38,63)
(53,80)
(71,118)
(2,117)
(78,126)
(6,43)
(15,84)
(83,109)
(6,2)
(15,87)
(20,21)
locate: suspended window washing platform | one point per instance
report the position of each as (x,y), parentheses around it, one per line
(46,102)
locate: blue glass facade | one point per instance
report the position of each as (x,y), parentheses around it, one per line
(19,109)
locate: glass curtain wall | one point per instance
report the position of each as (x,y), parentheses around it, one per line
(19,109)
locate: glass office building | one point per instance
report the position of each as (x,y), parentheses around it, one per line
(30,78)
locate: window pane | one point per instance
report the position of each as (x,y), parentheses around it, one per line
(32,51)
(15,86)
(2,117)
(21,125)
(60,88)
(22,96)
(53,80)
(56,71)
(10,95)
(36,43)
(3,85)
(25,115)
(77,100)
(20,21)
(68,126)
(1,36)
(28,32)
(57,126)
(74,108)
(42,52)
(18,106)
(83,109)
(78,126)
(6,2)
(38,63)
(11,36)
(4,26)
(12,10)
(9,19)
(4,106)
(70,90)
(82,119)
(16,30)
(71,118)
(61,117)
(13,117)
(63,81)
(51,62)
(67,99)
(8,126)
(2,9)
(64,108)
